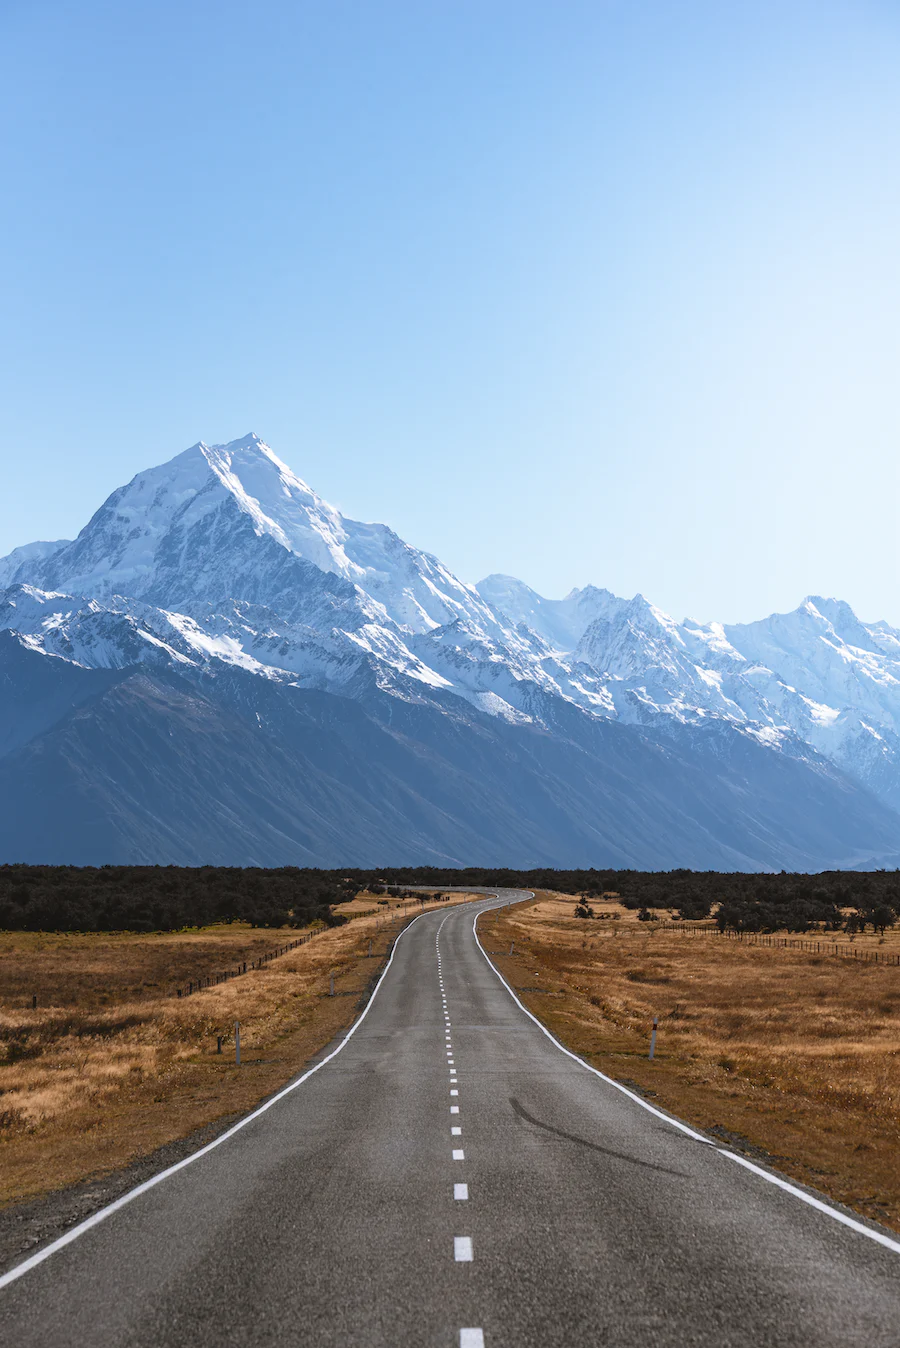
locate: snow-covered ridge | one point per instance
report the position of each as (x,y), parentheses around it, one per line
(224,556)
(25,557)
(818,674)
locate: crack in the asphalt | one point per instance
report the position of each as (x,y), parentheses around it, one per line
(594,1146)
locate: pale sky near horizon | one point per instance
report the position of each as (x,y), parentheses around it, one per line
(597,292)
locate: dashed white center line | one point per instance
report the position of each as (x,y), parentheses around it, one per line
(473,1336)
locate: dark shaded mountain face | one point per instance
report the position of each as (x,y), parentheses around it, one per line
(234,770)
(221,669)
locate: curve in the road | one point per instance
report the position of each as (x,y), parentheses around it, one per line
(434,1189)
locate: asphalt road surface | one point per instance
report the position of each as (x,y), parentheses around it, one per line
(451,1177)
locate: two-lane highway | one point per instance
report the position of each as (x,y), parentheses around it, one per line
(450,1176)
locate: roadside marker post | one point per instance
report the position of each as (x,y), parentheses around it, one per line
(331,993)
(653,1037)
(237,1042)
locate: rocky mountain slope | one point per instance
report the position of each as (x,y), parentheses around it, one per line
(222,667)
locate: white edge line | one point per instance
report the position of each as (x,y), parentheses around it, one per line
(38,1258)
(779,1183)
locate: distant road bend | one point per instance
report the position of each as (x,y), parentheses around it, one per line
(450,1176)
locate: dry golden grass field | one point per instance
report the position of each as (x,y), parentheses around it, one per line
(111,1065)
(797,1053)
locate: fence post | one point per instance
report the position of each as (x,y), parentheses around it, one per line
(218,1043)
(653,1037)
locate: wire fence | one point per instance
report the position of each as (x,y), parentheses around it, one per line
(819,947)
(389,915)
(213,980)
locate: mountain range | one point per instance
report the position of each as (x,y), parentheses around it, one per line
(222,668)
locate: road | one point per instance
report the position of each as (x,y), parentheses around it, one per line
(452,1177)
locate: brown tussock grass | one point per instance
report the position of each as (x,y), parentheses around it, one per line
(111,1066)
(797,1053)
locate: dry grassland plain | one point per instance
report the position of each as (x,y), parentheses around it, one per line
(112,1065)
(791,1053)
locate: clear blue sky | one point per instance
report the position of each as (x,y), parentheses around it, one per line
(601,292)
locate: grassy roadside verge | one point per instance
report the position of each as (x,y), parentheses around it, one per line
(789,1057)
(110,1066)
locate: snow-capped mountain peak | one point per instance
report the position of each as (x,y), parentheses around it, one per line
(223,555)
(281,504)
(165,535)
